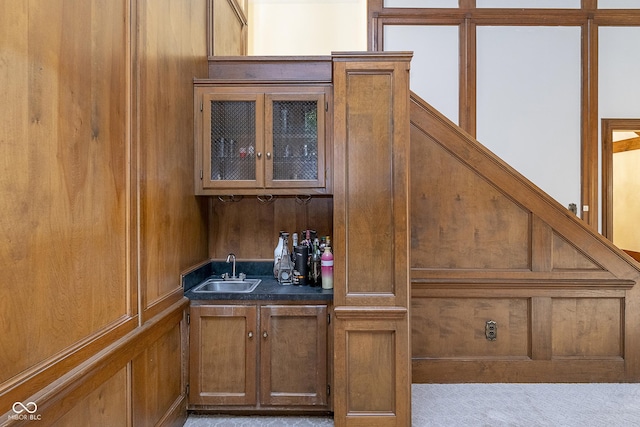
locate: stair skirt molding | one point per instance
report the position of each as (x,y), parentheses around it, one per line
(507,284)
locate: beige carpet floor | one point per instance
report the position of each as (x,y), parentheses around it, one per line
(490,405)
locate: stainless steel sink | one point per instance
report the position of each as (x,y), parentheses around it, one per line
(224,286)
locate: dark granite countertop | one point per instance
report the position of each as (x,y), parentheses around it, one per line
(268,290)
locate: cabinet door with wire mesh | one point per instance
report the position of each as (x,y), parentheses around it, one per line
(233,134)
(295,140)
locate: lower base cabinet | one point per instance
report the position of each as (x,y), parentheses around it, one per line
(258,356)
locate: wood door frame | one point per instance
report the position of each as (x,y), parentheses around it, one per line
(608,127)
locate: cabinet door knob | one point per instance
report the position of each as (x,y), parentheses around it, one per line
(259,154)
(268,155)
(264,334)
(250,334)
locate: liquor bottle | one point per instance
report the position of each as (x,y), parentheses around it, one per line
(293,247)
(315,279)
(285,265)
(327,268)
(276,255)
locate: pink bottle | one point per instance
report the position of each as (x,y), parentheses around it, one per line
(326,263)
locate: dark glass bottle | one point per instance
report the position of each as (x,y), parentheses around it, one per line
(316,279)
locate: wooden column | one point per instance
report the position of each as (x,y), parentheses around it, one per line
(371,244)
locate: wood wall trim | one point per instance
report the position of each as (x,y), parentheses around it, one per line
(217,26)
(468,76)
(363,312)
(473,275)
(518,371)
(589,114)
(32,380)
(156,307)
(633,254)
(523,292)
(626,145)
(59,396)
(259,69)
(515,16)
(532,283)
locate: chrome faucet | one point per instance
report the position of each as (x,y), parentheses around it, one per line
(231,257)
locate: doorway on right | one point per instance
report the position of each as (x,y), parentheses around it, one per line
(621,183)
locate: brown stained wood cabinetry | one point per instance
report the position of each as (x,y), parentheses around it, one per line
(260,139)
(267,356)
(371,235)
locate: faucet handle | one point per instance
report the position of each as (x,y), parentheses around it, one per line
(242,276)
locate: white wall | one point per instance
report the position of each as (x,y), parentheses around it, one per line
(528,103)
(307,27)
(432,80)
(626,200)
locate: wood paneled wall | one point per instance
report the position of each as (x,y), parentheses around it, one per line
(97,217)
(249,228)
(487,245)
(228,27)
(173,226)
(65,203)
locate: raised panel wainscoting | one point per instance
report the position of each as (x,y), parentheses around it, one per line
(489,246)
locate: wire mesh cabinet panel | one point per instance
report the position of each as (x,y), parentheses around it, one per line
(261,140)
(295,140)
(232,140)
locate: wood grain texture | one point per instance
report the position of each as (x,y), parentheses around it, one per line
(250,228)
(459,220)
(158,378)
(369,148)
(64,215)
(223,342)
(293,355)
(567,257)
(372,385)
(455,327)
(69,392)
(569,304)
(171,50)
(103,406)
(84,157)
(587,327)
(228,32)
(371,227)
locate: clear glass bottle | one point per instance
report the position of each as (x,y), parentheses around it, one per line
(284,264)
(276,255)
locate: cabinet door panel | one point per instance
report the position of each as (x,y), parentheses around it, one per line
(295,140)
(232,140)
(293,355)
(223,354)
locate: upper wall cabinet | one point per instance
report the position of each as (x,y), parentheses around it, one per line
(256,135)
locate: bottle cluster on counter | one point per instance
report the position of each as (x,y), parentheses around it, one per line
(310,263)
